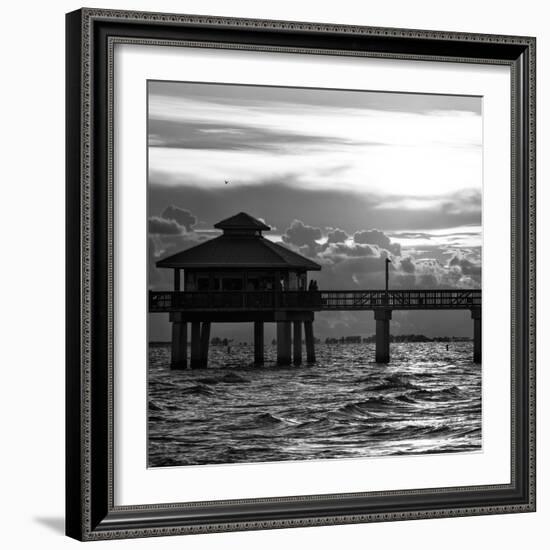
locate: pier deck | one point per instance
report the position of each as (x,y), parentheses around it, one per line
(323,300)
(294,308)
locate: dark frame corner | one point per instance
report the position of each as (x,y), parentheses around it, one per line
(90,512)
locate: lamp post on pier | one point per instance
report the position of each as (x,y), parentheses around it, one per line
(388,262)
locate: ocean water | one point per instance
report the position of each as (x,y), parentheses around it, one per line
(427,400)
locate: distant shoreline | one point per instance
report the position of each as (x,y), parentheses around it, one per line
(346,340)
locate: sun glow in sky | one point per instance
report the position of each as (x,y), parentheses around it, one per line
(349,140)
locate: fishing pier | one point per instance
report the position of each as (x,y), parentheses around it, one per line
(242,277)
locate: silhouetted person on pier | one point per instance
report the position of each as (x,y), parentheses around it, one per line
(313,285)
(315,294)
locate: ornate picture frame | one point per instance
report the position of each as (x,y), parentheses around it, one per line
(91,509)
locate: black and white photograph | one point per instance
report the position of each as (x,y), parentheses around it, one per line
(314,273)
(300,277)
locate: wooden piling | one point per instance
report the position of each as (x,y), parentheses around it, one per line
(382,317)
(476,316)
(205,340)
(258,343)
(297,341)
(195,345)
(310,341)
(179,346)
(283,343)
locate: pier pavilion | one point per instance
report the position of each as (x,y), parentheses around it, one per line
(240,276)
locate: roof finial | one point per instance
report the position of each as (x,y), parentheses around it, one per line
(242,222)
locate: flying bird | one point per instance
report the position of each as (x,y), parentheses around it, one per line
(226,182)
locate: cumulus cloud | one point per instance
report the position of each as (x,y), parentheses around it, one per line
(377,237)
(353,272)
(407,264)
(467,266)
(155,275)
(431,273)
(162,226)
(302,236)
(172,221)
(171,232)
(179,215)
(337,236)
(358,262)
(340,251)
(162,245)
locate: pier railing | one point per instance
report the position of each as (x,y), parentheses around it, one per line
(335,300)
(400,299)
(233,300)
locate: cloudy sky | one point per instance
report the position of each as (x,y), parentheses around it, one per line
(343,177)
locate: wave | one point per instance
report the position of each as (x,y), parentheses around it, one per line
(209,381)
(366,407)
(317,422)
(162,385)
(199,389)
(395,383)
(267,419)
(414,430)
(472,432)
(233,378)
(453,391)
(229,378)
(406,398)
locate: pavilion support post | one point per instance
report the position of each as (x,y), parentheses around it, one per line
(195,345)
(179,345)
(283,343)
(310,341)
(297,343)
(476,316)
(382,318)
(205,340)
(177,280)
(258,343)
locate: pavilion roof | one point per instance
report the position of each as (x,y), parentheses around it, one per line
(228,251)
